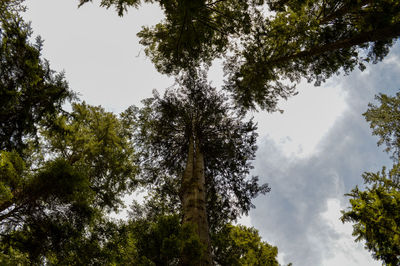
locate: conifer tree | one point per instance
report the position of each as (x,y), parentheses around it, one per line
(195,138)
(59,172)
(268,43)
(375,210)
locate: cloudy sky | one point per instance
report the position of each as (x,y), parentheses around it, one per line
(311,155)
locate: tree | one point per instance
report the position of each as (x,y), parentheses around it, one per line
(79,172)
(10,8)
(241,245)
(194,136)
(162,241)
(98,144)
(192,31)
(268,43)
(376,210)
(158,236)
(309,39)
(30,92)
(385,123)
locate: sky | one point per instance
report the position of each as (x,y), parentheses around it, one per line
(311,155)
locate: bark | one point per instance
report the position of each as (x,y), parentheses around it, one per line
(194,200)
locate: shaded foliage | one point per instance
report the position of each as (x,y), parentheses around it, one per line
(192,31)
(30,92)
(163,130)
(312,40)
(161,240)
(97,143)
(79,172)
(269,45)
(195,32)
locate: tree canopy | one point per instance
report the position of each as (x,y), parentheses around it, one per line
(194,148)
(312,40)
(76,174)
(30,90)
(269,45)
(59,171)
(163,130)
(241,245)
(375,211)
(62,172)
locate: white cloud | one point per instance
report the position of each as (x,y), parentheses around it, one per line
(298,214)
(306,119)
(344,250)
(245,220)
(99,51)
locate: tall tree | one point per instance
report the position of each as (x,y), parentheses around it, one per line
(269,42)
(194,135)
(60,172)
(29,90)
(79,172)
(375,211)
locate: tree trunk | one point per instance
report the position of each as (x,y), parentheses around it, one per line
(194,200)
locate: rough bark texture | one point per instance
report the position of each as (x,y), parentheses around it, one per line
(194,199)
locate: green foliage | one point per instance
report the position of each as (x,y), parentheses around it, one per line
(268,43)
(385,122)
(160,241)
(146,242)
(11,171)
(81,168)
(192,31)
(45,210)
(309,39)
(12,257)
(164,240)
(97,144)
(163,130)
(240,245)
(376,214)
(10,8)
(59,172)
(375,211)
(29,89)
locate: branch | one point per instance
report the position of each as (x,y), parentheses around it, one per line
(389,32)
(343,11)
(222,14)
(210,26)
(215,2)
